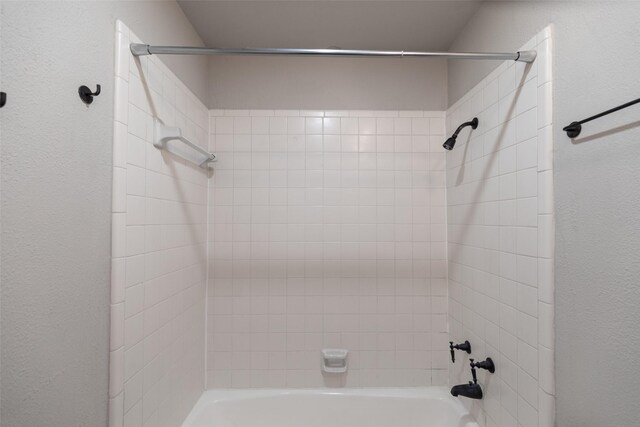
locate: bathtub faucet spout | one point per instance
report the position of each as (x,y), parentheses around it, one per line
(471,390)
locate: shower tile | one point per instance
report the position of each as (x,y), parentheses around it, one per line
(543,61)
(336,113)
(335,203)
(545,94)
(546,333)
(366,126)
(506,82)
(411,113)
(259,125)
(116,411)
(545,236)
(312,113)
(527,154)
(277,125)
(158,285)
(117,280)
(384,126)
(527,183)
(517,151)
(331,126)
(545,148)
(133,417)
(546,412)
(527,329)
(133,330)
(241,125)
(224,125)
(527,414)
(546,368)
(526,125)
(402,126)
(313,126)
(117,326)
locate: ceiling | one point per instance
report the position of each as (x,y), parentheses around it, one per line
(383,25)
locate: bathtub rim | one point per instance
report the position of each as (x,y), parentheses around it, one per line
(213,396)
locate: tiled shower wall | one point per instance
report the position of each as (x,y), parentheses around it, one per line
(500,240)
(327,230)
(159,248)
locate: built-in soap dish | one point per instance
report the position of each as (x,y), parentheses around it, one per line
(334,361)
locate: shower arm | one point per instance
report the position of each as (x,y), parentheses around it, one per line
(473,123)
(140,49)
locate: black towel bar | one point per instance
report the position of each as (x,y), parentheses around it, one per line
(573,130)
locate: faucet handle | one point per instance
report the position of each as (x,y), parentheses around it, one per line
(465,346)
(473,372)
(485,364)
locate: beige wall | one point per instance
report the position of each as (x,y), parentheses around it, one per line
(596,193)
(56,200)
(327,83)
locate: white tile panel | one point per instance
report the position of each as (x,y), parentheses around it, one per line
(159,248)
(513,145)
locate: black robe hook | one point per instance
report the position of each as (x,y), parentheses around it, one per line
(86,95)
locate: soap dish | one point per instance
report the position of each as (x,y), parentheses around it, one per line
(334,361)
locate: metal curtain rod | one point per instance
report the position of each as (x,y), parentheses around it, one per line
(139,49)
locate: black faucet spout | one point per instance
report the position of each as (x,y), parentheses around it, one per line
(471,390)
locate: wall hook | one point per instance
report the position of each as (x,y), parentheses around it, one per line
(3,99)
(86,95)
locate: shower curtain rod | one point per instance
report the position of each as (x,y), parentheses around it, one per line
(139,49)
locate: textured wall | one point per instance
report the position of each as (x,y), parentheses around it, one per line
(500,240)
(56,198)
(328,232)
(328,83)
(597,201)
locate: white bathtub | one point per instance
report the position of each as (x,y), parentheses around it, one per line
(386,407)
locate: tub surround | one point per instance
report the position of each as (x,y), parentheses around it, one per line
(500,240)
(327,230)
(159,250)
(332,229)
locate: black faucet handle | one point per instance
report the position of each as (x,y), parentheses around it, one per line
(485,364)
(465,346)
(473,371)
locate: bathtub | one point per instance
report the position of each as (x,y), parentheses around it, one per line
(384,407)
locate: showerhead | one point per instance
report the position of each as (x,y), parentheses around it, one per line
(451,142)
